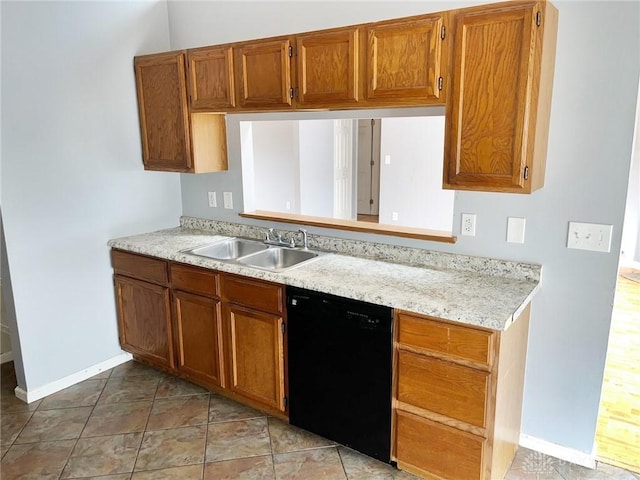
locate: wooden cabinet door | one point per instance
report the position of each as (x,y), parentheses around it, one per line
(144,317)
(198,337)
(263,74)
(211,82)
(490,118)
(164,117)
(328,67)
(256,355)
(404,60)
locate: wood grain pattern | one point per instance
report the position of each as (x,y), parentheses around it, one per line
(162,104)
(256,347)
(404,59)
(211,78)
(198,337)
(140,266)
(354,226)
(144,320)
(442,387)
(446,338)
(432,450)
(328,67)
(263,74)
(501,90)
(618,428)
(209,132)
(252,293)
(508,394)
(200,281)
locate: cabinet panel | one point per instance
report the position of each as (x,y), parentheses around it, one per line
(162,105)
(328,67)
(211,82)
(195,280)
(404,59)
(263,74)
(492,119)
(441,337)
(144,320)
(253,293)
(198,337)
(256,355)
(445,388)
(139,266)
(426,447)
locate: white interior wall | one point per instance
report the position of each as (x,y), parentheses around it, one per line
(316,167)
(411,184)
(630,249)
(586,180)
(275,165)
(72,175)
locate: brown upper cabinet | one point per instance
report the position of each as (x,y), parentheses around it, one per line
(405,61)
(328,67)
(498,110)
(173,139)
(211,80)
(263,73)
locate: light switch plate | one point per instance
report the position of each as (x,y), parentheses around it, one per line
(228,199)
(589,236)
(515,229)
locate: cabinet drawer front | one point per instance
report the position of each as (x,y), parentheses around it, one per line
(440,337)
(445,388)
(196,280)
(424,447)
(253,293)
(139,266)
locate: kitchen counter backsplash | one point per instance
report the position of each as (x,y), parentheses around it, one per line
(416,257)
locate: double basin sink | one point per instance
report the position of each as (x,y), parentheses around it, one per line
(253,253)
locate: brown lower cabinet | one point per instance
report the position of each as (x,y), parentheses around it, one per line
(457,390)
(458,397)
(221,331)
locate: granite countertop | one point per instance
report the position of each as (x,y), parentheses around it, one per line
(470,297)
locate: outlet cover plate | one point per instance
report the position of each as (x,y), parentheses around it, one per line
(590,236)
(468,225)
(213,202)
(227,198)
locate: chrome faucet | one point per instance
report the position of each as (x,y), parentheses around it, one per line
(274,238)
(305,238)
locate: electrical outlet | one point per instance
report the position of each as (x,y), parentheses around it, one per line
(228,199)
(589,236)
(468,225)
(213,202)
(394,216)
(288,205)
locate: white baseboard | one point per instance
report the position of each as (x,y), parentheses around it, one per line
(29,396)
(558,451)
(6,357)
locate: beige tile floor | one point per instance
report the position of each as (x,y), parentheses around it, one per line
(135,423)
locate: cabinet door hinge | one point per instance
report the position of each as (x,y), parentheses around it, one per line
(297,92)
(526,173)
(538,18)
(291,92)
(290,51)
(443,32)
(283,327)
(440,83)
(285,402)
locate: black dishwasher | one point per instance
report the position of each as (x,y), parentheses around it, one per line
(340,354)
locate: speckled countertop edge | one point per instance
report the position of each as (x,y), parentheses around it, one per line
(466,296)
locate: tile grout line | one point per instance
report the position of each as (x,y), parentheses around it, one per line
(83,428)
(144,430)
(206,438)
(273,458)
(346,475)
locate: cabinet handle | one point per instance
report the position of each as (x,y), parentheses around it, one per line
(538,18)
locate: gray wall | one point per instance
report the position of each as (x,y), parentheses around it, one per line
(72,173)
(592,119)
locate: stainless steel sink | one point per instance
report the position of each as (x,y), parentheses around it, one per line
(278,259)
(229,249)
